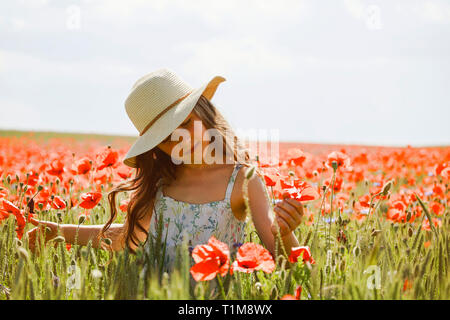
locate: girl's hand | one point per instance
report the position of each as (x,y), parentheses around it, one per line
(288,215)
(50,230)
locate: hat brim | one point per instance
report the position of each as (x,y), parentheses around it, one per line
(169,121)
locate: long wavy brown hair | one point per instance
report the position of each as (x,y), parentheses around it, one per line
(154,166)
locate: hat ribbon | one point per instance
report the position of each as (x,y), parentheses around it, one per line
(164,111)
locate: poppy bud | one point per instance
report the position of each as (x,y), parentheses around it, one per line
(18,242)
(410,232)
(8,179)
(48,230)
(356,251)
(408,216)
(26,188)
(40,205)
(81,219)
(249,173)
(334,164)
(55,258)
(257,158)
(107,241)
(59,216)
(57,181)
(291,173)
(39,188)
(386,187)
(17,178)
(342,266)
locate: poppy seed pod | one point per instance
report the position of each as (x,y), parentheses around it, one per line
(81,219)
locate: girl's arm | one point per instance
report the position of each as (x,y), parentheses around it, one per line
(85,233)
(264,221)
(90,232)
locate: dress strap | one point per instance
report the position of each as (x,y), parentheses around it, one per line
(232,180)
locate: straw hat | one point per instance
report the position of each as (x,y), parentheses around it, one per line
(158,103)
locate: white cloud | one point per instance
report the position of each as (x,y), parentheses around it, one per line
(429,11)
(17,24)
(17,115)
(33,4)
(16,62)
(227,56)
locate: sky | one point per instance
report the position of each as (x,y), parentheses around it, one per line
(352,71)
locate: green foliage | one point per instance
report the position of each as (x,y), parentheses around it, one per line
(392,263)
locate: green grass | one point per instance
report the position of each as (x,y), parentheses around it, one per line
(347,271)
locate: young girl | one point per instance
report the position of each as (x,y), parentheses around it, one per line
(195,199)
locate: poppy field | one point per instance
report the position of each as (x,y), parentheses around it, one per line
(375,227)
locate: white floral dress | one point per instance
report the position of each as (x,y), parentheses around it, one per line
(197,222)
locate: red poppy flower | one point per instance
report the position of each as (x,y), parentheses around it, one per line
(3,214)
(269,181)
(440,167)
(407,285)
(210,259)
(445,173)
(90,199)
(107,158)
(437,208)
(299,190)
(56,168)
(252,256)
(426,224)
(296,156)
(124,205)
(58,203)
(297,296)
(338,182)
(10,208)
(342,160)
(124,172)
(84,165)
(304,251)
